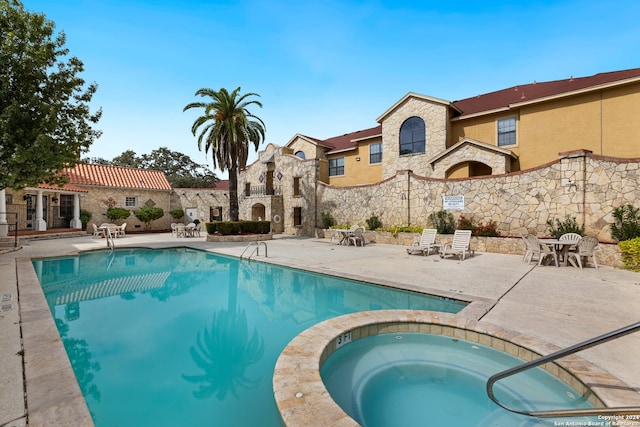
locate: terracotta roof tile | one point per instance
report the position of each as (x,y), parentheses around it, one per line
(66,187)
(115,176)
(530,92)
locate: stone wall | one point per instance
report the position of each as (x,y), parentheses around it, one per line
(579,184)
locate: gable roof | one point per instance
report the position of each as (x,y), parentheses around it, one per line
(538,91)
(116,176)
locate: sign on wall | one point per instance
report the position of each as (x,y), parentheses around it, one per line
(453,203)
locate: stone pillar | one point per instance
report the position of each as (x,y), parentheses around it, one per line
(40,224)
(75,222)
(4,227)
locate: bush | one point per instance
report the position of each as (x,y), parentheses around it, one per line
(147,214)
(85,217)
(626,224)
(569,225)
(443,221)
(115,214)
(176,213)
(373,223)
(394,230)
(630,251)
(327,220)
(227,228)
(489,230)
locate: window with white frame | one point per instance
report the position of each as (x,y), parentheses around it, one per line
(375,152)
(130,202)
(336,166)
(507,131)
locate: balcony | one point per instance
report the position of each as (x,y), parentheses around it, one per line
(262,190)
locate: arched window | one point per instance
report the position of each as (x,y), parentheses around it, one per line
(412,136)
(300,155)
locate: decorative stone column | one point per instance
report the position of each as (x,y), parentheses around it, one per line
(4,227)
(40,224)
(75,222)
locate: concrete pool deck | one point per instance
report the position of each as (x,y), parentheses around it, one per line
(558,306)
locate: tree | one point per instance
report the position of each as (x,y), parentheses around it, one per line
(226,128)
(147,214)
(45,120)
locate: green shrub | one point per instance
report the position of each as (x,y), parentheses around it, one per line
(443,221)
(557,228)
(227,228)
(115,214)
(373,223)
(394,230)
(327,220)
(626,225)
(147,214)
(176,213)
(630,251)
(85,217)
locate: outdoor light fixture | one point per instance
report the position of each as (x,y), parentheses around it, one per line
(54,199)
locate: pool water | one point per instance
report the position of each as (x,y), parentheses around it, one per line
(181,337)
(413,379)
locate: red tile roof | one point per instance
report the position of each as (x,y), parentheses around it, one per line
(66,187)
(350,140)
(223,184)
(115,176)
(537,90)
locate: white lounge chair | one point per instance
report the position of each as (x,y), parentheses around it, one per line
(459,245)
(426,243)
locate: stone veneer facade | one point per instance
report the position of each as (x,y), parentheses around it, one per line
(580,184)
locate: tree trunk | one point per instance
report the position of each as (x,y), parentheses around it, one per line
(234,211)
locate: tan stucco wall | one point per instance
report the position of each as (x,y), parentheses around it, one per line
(358,171)
(604,122)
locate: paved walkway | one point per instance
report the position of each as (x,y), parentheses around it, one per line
(561,306)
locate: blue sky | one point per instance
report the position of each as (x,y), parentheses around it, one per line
(322,68)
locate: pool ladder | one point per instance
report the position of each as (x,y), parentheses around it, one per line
(627,410)
(256,250)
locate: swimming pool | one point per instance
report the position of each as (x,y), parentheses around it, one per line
(186,337)
(425,379)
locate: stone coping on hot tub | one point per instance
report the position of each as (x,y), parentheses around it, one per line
(301,395)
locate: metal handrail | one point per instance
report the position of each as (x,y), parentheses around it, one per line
(256,250)
(627,410)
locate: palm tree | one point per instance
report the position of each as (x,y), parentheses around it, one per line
(227,128)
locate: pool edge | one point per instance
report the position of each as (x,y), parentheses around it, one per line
(300,393)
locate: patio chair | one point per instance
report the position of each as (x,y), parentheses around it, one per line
(98,232)
(173,228)
(181,230)
(120,231)
(540,249)
(426,243)
(357,237)
(527,248)
(459,245)
(585,248)
(572,237)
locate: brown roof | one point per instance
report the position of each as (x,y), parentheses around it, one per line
(537,90)
(350,140)
(223,184)
(115,176)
